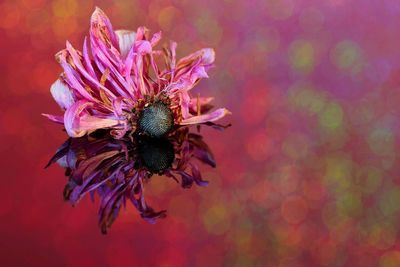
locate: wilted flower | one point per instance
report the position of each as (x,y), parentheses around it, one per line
(117,169)
(115,83)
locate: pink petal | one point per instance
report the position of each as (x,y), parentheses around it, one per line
(86,58)
(101,27)
(62,94)
(172,49)
(78,122)
(194,66)
(72,77)
(155,39)
(206,56)
(212,116)
(54,118)
(77,61)
(143,47)
(198,73)
(184,102)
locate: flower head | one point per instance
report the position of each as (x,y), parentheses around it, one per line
(115,83)
(116,170)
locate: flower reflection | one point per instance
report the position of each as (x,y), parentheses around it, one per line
(117,169)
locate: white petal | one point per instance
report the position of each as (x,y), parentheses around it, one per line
(125,40)
(208,56)
(62,94)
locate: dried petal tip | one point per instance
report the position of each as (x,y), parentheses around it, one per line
(156,119)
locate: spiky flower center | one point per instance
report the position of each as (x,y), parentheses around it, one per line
(156,154)
(156,119)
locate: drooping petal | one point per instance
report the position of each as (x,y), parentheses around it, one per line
(78,121)
(204,56)
(212,116)
(54,118)
(125,40)
(195,65)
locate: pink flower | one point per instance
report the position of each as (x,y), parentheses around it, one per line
(115,83)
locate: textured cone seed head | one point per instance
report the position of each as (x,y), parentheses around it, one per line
(156,120)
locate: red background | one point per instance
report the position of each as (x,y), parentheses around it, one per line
(307,176)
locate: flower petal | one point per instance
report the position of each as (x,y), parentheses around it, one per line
(54,118)
(78,64)
(62,94)
(125,40)
(78,122)
(101,28)
(72,77)
(194,66)
(212,116)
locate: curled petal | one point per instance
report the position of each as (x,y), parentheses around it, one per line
(205,56)
(125,40)
(198,73)
(194,66)
(212,116)
(78,122)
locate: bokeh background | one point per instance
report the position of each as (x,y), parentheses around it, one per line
(308,175)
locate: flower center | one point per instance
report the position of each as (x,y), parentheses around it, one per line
(156,119)
(156,154)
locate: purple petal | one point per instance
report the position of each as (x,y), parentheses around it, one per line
(61,152)
(197,177)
